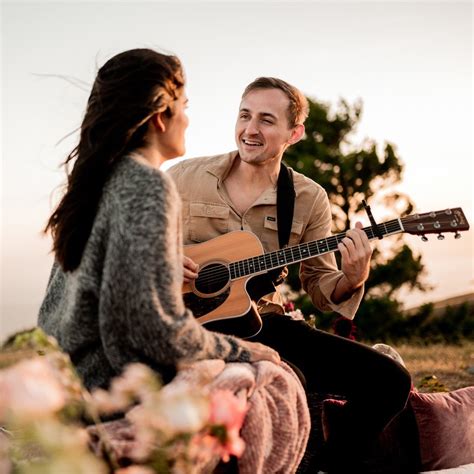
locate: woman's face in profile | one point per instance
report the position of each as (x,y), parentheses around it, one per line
(172,140)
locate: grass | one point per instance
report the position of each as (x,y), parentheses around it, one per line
(448,365)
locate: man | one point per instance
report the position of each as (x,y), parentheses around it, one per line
(238,191)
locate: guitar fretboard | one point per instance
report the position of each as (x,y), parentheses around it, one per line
(298,253)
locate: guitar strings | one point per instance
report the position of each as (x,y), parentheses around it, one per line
(222,273)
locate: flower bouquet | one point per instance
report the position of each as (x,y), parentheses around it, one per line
(51,424)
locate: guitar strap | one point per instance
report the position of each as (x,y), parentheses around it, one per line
(285,205)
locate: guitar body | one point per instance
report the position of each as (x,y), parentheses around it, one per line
(226,305)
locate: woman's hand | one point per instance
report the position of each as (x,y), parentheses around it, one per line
(261,352)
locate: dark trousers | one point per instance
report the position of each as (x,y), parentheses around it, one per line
(375,386)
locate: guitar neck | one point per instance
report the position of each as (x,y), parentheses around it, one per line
(298,253)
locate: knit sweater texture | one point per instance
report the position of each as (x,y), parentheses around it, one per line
(123,303)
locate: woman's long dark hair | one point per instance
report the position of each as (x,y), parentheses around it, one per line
(128,90)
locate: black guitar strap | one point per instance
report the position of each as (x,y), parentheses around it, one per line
(285,205)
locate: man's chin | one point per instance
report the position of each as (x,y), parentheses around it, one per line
(250,159)
(249,155)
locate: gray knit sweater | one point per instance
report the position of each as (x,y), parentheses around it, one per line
(123,303)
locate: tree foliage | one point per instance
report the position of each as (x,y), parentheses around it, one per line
(351,172)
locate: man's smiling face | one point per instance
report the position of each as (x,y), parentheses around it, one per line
(262,130)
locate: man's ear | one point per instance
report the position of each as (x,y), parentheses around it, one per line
(159,122)
(296,134)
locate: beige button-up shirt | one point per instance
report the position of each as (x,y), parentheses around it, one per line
(208,212)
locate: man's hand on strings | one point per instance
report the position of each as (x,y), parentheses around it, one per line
(190,269)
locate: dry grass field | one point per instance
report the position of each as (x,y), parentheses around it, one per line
(448,363)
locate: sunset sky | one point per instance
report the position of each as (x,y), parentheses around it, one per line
(410,63)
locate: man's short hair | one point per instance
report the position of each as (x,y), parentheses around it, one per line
(298,107)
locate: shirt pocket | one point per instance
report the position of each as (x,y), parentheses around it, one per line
(207,221)
(269,236)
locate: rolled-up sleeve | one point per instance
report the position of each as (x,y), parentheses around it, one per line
(319,275)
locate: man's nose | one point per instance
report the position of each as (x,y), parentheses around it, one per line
(252,127)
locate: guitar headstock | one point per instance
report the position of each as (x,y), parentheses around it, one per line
(447,220)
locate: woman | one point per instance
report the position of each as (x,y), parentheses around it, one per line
(114,294)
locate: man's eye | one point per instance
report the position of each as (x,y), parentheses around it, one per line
(267,121)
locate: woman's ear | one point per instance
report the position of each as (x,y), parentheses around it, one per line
(158,121)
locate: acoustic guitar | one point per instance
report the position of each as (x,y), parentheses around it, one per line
(233,267)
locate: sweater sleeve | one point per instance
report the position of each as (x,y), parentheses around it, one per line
(141,314)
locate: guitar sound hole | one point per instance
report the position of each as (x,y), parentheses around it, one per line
(201,306)
(212,278)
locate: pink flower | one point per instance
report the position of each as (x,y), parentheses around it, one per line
(296,314)
(182,412)
(227,409)
(30,389)
(235,446)
(137,382)
(228,413)
(172,413)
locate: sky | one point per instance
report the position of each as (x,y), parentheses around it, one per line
(409,62)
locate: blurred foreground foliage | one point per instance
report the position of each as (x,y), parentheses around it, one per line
(50,424)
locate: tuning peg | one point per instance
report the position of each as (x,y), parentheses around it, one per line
(424,238)
(457,235)
(440,237)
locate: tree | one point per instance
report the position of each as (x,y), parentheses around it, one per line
(349,173)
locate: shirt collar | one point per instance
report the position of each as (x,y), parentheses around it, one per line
(221,168)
